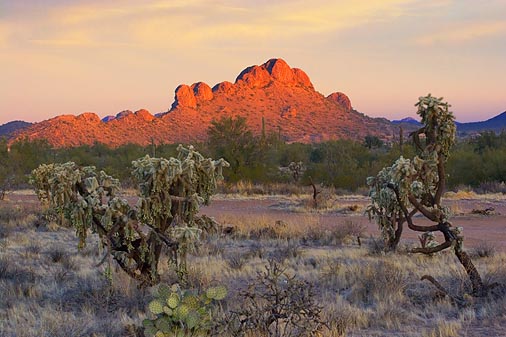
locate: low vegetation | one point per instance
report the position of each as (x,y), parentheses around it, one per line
(88,263)
(50,288)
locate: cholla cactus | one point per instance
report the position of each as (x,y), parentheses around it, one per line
(416,186)
(170,193)
(180,312)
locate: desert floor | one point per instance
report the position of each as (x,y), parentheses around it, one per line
(49,288)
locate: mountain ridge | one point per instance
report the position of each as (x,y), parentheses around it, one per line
(282,97)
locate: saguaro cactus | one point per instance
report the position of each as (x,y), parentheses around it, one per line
(170,193)
(416,186)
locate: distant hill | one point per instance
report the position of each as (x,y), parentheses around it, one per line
(9,129)
(407,120)
(495,124)
(273,95)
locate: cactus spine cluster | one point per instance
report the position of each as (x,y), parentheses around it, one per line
(170,194)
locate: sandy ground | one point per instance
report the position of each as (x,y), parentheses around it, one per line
(478,229)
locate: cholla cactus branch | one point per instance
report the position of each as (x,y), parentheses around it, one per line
(166,215)
(417,185)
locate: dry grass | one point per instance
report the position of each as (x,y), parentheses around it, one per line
(48,288)
(471,195)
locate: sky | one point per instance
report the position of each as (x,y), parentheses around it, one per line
(73,56)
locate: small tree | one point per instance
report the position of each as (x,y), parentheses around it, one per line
(416,186)
(372,142)
(166,215)
(232,139)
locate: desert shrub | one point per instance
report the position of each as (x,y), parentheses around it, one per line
(285,250)
(5,231)
(376,246)
(12,213)
(484,249)
(57,254)
(236,261)
(444,328)
(33,248)
(345,231)
(378,282)
(339,234)
(276,304)
(491,187)
(264,233)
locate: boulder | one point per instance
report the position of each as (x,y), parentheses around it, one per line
(202,91)
(280,71)
(254,77)
(184,97)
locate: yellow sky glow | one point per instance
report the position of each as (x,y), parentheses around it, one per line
(126,54)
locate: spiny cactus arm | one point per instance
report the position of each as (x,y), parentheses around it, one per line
(409,215)
(432,250)
(398,232)
(478,288)
(415,135)
(421,208)
(441,185)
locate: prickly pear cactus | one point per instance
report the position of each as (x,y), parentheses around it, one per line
(170,194)
(180,312)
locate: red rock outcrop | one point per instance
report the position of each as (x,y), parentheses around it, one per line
(123,114)
(302,78)
(184,97)
(89,117)
(280,71)
(224,87)
(255,77)
(283,97)
(202,91)
(341,99)
(144,115)
(274,71)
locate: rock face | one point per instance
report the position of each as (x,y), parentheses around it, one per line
(282,96)
(123,114)
(223,87)
(340,99)
(302,78)
(145,115)
(273,71)
(202,91)
(184,97)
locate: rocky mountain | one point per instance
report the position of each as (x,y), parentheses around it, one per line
(283,96)
(10,128)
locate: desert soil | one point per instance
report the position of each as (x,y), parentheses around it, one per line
(478,229)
